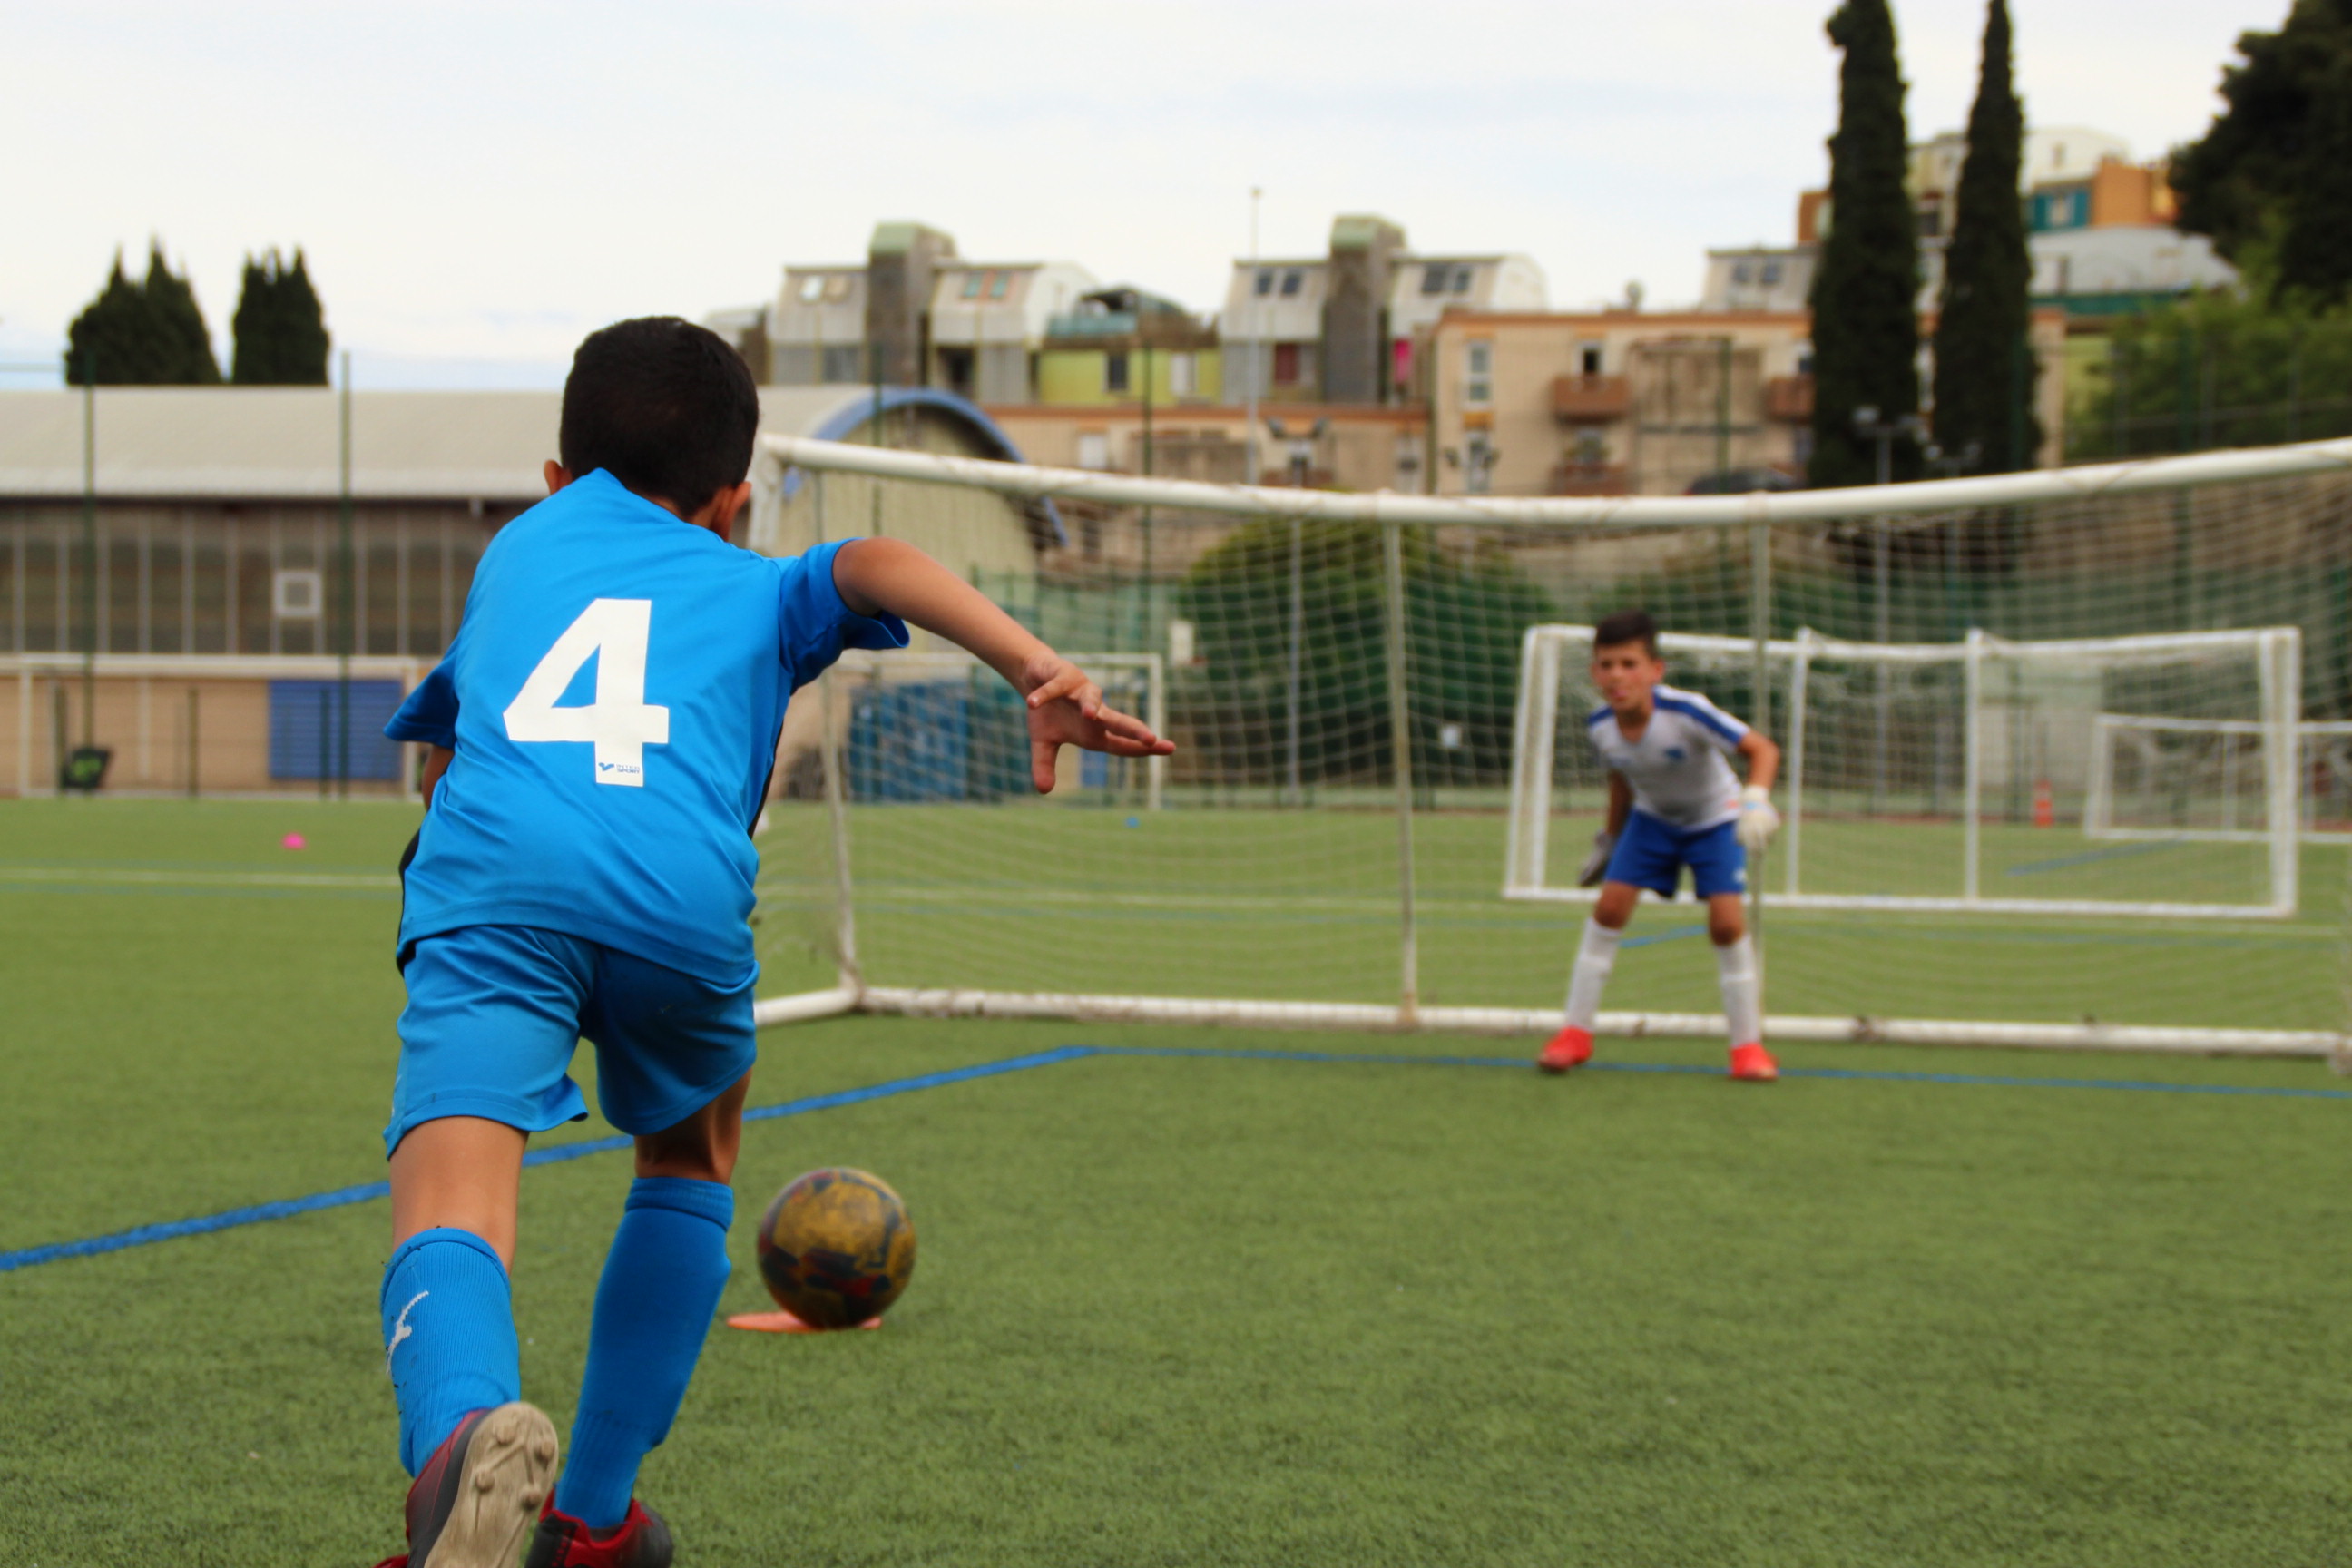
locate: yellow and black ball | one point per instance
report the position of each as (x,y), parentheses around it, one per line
(836,1247)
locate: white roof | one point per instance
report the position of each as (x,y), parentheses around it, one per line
(284,442)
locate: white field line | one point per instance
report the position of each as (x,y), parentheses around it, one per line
(142,877)
(983,899)
(1535,1023)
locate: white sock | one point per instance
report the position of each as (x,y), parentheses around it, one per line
(1743,1000)
(1595,957)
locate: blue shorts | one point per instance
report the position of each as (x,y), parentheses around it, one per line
(1651,853)
(495,1012)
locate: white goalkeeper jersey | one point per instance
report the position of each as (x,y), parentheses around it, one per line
(1676,769)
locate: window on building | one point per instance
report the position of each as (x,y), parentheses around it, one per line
(1183,376)
(1462,276)
(1588,358)
(1094,449)
(1266,281)
(1740,273)
(811,290)
(1115,373)
(1436,276)
(997,284)
(844,364)
(837,286)
(1479,360)
(1477,464)
(972,284)
(1292,280)
(1772,273)
(1286,364)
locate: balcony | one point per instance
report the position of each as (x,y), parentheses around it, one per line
(1790,399)
(1572,479)
(1591,399)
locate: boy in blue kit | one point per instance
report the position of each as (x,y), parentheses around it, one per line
(1673,802)
(602,732)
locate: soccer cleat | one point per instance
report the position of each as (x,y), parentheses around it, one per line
(1751,1063)
(640,1541)
(1571,1048)
(477,1494)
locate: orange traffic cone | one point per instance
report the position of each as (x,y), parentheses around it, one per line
(2045,811)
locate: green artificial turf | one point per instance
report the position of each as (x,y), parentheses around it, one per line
(1179,1308)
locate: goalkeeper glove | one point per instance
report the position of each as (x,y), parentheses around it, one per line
(1758,821)
(1596,865)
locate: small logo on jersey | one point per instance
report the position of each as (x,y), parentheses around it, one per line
(1675,754)
(619,769)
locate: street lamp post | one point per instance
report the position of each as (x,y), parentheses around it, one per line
(1302,468)
(1884,434)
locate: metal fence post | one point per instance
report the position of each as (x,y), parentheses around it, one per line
(836,790)
(1401,755)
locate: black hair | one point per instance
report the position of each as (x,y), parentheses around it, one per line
(663,405)
(1623,626)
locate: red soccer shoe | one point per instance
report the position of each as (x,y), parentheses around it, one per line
(1571,1048)
(640,1541)
(477,1494)
(1751,1063)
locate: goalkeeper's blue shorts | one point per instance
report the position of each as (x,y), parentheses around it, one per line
(1651,853)
(495,1012)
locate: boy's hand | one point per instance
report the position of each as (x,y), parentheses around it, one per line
(1758,821)
(1066,708)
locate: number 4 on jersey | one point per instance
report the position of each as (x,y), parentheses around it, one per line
(619,722)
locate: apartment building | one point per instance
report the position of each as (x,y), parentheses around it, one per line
(1623,403)
(1341,327)
(913,313)
(2099,228)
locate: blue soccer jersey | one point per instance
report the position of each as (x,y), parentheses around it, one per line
(614,695)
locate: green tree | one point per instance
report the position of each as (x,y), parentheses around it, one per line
(1464,616)
(2269,179)
(1984,365)
(2219,370)
(1865,298)
(280,329)
(150,334)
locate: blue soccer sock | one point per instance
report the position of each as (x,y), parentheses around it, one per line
(661,1285)
(448,1336)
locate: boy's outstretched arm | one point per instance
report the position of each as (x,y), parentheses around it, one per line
(1065,707)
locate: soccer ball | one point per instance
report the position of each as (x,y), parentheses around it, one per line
(836,1247)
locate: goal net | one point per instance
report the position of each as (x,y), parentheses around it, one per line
(2062,751)
(2205,780)
(1969,778)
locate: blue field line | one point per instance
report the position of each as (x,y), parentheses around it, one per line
(2089,855)
(367,1192)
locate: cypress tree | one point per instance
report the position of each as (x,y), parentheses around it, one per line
(280,329)
(1984,368)
(1866,321)
(142,335)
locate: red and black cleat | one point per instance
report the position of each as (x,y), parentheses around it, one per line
(640,1541)
(477,1494)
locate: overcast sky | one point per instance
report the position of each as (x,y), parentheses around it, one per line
(476,184)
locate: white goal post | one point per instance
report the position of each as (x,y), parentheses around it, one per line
(2260,670)
(1347,677)
(2205,778)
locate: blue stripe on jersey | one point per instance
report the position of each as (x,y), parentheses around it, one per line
(1713,721)
(1598,714)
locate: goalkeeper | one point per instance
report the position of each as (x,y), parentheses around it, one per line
(1672,802)
(586,867)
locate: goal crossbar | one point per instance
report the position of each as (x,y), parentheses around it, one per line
(2177,473)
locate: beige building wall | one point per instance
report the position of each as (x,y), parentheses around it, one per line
(1607,403)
